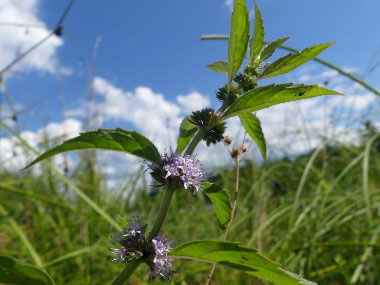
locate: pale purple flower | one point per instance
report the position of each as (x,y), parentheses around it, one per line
(130,239)
(162,263)
(136,246)
(186,168)
(121,254)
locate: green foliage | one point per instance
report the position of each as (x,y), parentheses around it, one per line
(325,245)
(252,126)
(293,60)
(257,41)
(239,36)
(238,257)
(187,131)
(266,96)
(107,139)
(221,200)
(218,66)
(14,272)
(270,48)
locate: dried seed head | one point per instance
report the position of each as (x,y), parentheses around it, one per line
(235,152)
(243,148)
(227,140)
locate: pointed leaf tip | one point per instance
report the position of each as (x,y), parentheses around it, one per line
(293,60)
(238,40)
(221,200)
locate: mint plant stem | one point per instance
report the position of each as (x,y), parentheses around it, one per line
(162,212)
(127,272)
(132,266)
(195,141)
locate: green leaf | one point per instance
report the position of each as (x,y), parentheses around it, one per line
(270,48)
(252,126)
(109,139)
(238,257)
(14,272)
(218,66)
(293,60)
(238,41)
(186,132)
(266,96)
(257,41)
(220,198)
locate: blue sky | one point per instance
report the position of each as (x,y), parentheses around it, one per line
(156,45)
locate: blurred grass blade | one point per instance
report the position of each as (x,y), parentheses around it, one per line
(366,193)
(21,234)
(252,125)
(31,195)
(363,259)
(305,173)
(238,257)
(238,40)
(221,200)
(14,272)
(65,180)
(70,255)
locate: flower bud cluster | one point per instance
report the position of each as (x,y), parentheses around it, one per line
(205,118)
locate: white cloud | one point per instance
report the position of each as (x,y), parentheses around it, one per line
(14,157)
(148,111)
(290,128)
(193,101)
(229,4)
(15,39)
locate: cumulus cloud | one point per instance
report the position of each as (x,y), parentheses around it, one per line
(15,39)
(13,156)
(148,111)
(297,127)
(229,4)
(193,101)
(290,128)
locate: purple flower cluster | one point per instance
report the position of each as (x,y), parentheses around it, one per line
(136,246)
(186,168)
(133,232)
(162,264)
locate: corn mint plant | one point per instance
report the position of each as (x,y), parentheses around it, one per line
(241,96)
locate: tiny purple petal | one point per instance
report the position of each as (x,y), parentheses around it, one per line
(162,263)
(187,168)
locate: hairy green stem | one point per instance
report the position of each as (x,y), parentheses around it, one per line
(195,141)
(162,212)
(132,266)
(128,270)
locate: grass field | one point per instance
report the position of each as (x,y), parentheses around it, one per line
(316,214)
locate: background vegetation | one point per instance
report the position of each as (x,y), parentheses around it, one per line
(316,214)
